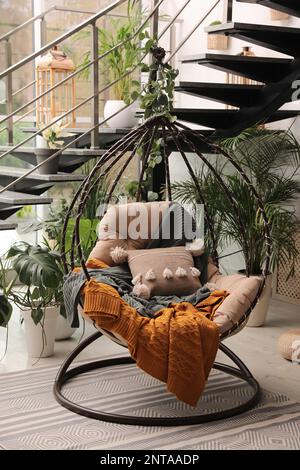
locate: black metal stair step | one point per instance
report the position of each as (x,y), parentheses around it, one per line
(232,94)
(69,160)
(7,211)
(7,225)
(223,119)
(291,7)
(35,180)
(261,69)
(278,38)
(107,137)
(14,198)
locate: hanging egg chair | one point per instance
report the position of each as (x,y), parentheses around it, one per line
(185,141)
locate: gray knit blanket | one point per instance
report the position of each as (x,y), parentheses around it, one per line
(120,277)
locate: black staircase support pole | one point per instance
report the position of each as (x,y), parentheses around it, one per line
(95,81)
(154,20)
(228,8)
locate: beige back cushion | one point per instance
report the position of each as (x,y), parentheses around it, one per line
(158,260)
(114,228)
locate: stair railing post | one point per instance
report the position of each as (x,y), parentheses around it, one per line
(228,6)
(154,20)
(95,68)
(43,27)
(9,92)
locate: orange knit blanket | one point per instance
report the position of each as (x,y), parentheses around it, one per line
(178,346)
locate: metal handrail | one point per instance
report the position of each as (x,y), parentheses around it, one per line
(20,118)
(187,37)
(26,23)
(92,62)
(86,100)
(20,90)
(77,139)
(41,16)
(56,154)
(90,21)
(79,70)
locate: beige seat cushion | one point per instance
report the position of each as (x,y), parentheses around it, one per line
(243,291)
(164,271)
(129,226)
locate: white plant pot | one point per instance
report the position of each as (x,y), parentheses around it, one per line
(34,333)
(63,329)
(124,119)
(259,313)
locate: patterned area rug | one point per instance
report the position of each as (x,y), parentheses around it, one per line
(30,418)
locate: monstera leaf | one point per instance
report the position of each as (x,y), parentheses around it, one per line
(5,310)
(36,266)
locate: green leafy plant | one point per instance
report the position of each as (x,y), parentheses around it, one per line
(156,99)
(53,227)
(123,59)
(158,95)
(272,161)
(5,310)
(6,287)
(25,212)
(39,270)
(215,23)
(186,193)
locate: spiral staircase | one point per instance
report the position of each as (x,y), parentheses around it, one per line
(248,104)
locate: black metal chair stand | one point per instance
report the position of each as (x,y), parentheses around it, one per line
(64,375)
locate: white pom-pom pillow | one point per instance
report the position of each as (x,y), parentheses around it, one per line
(163,271)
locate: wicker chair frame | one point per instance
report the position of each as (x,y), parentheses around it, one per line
(186,140)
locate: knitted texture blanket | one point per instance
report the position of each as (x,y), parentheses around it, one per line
(177,346)
(171,338)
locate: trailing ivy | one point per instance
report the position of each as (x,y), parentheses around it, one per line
(156,99)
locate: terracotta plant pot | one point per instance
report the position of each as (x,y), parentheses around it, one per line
(49,168)
(217,42)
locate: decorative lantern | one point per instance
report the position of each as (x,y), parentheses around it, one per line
(50,70)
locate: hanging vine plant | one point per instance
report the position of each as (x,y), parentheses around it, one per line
(156,99)
(158,95)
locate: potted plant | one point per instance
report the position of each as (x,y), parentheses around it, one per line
(53,227)
(53,141)
(40,299)
(217,41)
(118,62)
(272,162)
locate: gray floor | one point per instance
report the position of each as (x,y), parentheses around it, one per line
(256,346)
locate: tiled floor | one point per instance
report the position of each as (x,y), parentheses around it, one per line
(257,347)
